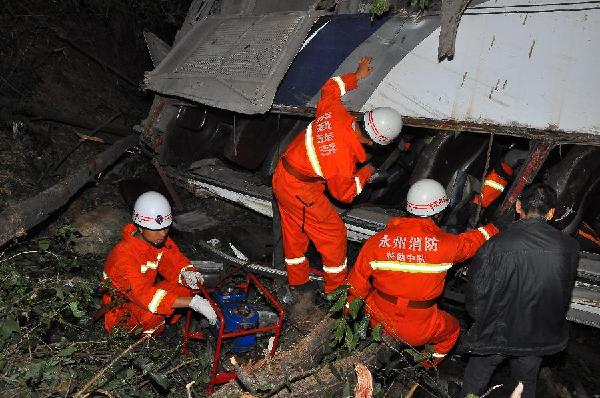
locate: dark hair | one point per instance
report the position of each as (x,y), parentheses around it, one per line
(537,199)
(363,131)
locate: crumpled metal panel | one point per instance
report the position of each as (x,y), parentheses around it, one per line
(233,62)
(157,48)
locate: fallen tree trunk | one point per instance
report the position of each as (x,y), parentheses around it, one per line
(286,365)
(330,378)
(40,113)
(299,372)
(18,218)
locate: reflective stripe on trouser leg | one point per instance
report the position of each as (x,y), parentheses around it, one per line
(295,243)
(328,233)
(335,276)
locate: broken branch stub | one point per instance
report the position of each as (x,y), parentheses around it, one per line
(19,218)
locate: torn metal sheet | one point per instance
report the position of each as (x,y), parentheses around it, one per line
(516,64)
(331,41)
(233,62)
(157,48)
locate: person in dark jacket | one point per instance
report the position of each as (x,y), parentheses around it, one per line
(518,293)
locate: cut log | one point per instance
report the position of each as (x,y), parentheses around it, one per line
(364,383)
(286,365)
(299,372)
(19,218)
(330,378)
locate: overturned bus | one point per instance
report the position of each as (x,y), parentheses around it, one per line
(242,79)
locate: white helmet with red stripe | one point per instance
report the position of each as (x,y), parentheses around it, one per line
(383,124)
(426,197)
(152,210)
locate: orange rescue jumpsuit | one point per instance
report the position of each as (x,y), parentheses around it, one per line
(326,153)
(408,262)
(494,184)
(131,270)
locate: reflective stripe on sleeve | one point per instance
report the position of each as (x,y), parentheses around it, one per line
(496,185)
(358,185)
(336,270)
(340,84)
(295,261)
(311,152)
(426,268)
(156,299)
(485,233)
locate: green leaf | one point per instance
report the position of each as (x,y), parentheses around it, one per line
(346,391)
(8,327)
(417,355)
(355,306)
(340,327)
(361,327)
(342,290)
(77,313)
(264,386)
(376,334)
(430,348)
(43,244)
(336,373)
(350,339)
(378,7)
(377,390)
(67,352)
(129,373)
(159,379)
(338,305)
(34,373)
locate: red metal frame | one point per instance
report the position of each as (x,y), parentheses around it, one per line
(217,377)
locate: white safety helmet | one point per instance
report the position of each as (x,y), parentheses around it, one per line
(426,197)
(382,124)
(152,210)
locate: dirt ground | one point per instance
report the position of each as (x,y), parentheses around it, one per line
(83,61)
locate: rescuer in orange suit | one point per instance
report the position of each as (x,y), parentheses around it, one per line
(400,271)
(498,178)
(135,299)
(326,154)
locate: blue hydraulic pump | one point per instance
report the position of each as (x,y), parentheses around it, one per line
(238,315)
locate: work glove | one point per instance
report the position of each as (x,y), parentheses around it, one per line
(202,306)
(514,157)
(193,279)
